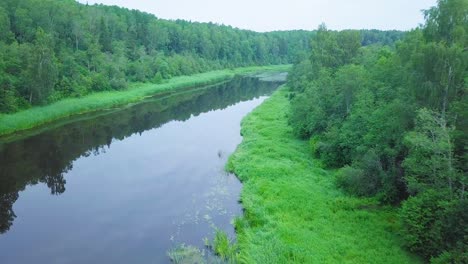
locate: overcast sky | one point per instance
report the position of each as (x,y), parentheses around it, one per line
(269,15)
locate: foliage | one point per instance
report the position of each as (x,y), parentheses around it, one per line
(71,106)
(430,161)
(364,179)
(293,212)
(221,250)
(51,50)
(224,247)
(393,118)
(434,223)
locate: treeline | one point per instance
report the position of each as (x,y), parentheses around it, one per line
(394,120)
(373,36)
(54,49)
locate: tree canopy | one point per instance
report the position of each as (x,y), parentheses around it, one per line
(393,118)
(52,49)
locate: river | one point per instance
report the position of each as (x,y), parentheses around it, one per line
(126,185)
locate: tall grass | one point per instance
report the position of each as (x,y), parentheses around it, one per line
(37,116)
(293,211)
(225,248)
(222,250)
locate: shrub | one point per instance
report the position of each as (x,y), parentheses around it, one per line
(333,150)
(118,83)
(314,143)
(433,223)
(100,83)
(363,178)
(454,256)
(349,178)
(158,78)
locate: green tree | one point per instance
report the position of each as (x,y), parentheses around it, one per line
(349,80)
(435,224)
(105,36)
(431,162)
(5,34)
(42,69)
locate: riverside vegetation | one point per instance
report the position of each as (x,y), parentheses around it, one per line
(293,211)
(360,158)
(389,125)
(52,50)
(100,100)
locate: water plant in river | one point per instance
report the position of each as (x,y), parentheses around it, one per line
(222,250)
(184,254)
(225,248)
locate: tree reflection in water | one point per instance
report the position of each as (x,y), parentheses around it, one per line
(46,157)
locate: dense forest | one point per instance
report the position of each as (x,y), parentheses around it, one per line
(394,121)
(52,49)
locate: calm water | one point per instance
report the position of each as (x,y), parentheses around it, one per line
(126,185)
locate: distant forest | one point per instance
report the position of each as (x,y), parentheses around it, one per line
(52,49)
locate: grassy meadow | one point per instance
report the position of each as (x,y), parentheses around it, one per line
(293,211)
(36,116)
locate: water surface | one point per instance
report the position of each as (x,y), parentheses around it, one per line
(126,185)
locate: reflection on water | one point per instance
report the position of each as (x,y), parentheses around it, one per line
(161,182)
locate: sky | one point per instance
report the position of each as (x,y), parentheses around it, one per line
(270,15)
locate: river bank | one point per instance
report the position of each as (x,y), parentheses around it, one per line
(37,116)
(293,211)
(139,179)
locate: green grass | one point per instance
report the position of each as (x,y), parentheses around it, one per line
(225,248)
(293,211)
(37,116)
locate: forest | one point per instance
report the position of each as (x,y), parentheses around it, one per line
(50,50)
(393,121)
(55,49)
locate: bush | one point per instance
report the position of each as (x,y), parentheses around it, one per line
(393,189)
(100,83)
(454,256)
(118,84)
(349,178)
(8,101)
(331,153)
(158,78)
(435,226)
(314,143)
(363,178)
